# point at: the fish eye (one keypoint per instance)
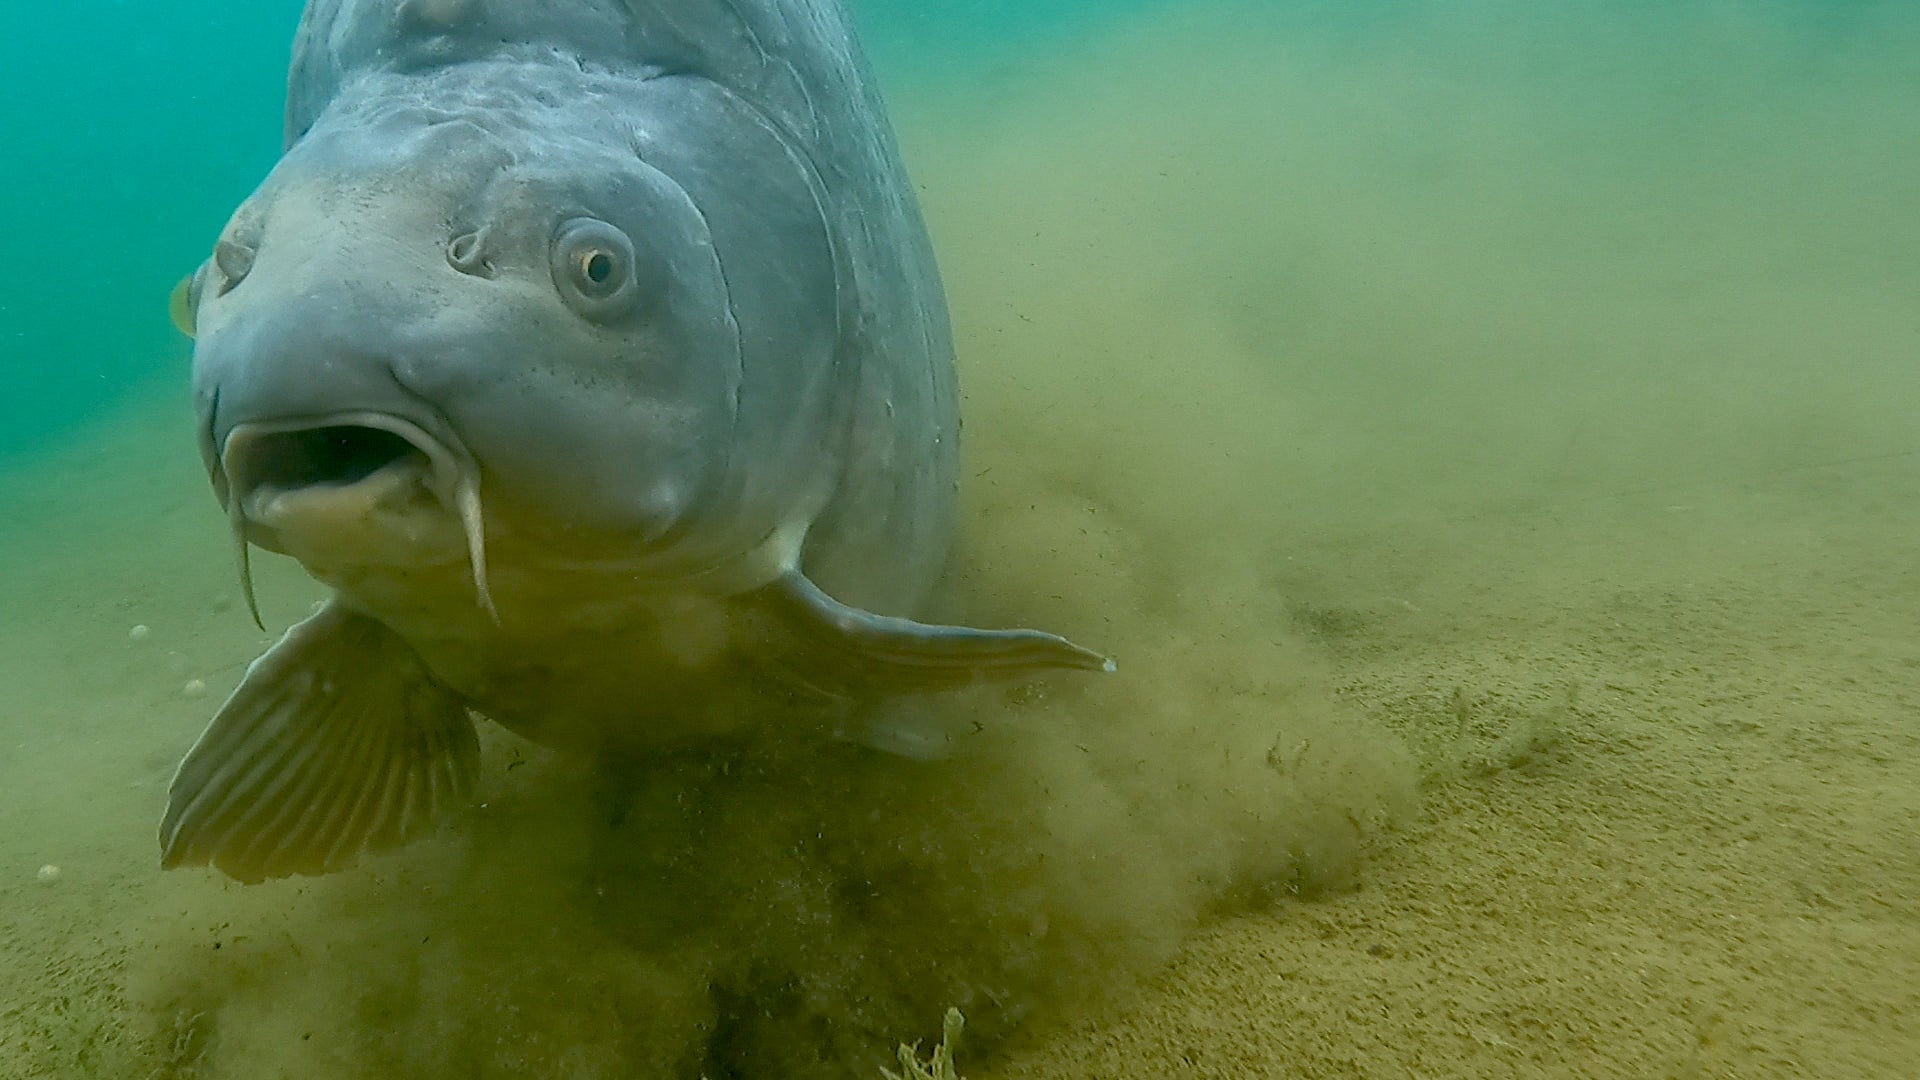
(594, 269)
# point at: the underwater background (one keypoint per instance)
(1484, 430)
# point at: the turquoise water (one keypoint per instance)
(1483, 430)
(132, 129)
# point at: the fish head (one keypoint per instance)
(432, 304)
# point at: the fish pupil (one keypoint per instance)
(599, 267)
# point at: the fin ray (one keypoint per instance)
(304, 794)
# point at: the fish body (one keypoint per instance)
(595, 355)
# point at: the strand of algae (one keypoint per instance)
(940, 1065)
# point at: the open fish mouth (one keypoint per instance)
(353, 489)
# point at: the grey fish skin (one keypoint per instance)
(595, 354)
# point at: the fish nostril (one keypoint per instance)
(467, 254)
(326, 456)
(234, 261)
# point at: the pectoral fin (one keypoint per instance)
(337, 741)
(903, 654)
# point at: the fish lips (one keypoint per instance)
(350, 489)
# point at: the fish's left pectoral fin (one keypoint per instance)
(337, 741)
(902, 654)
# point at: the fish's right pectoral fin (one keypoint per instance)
(337, 741)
